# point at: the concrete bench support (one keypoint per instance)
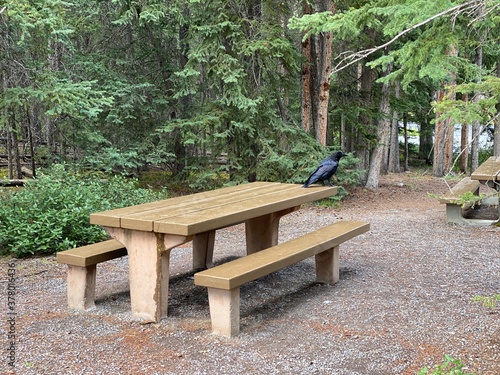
(452, 200)
(82, 263)
(223, 282)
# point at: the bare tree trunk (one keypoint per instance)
(496, 129)
(317, 52)
(306, 76)
(464, 145)
(343, 134)
(393, 166)
(15, 162)
(362, 146)
(383, 133)
(184, 101)
(443, 143)
(443, 146)
(10, 164)
(474, 147)
(325, 62)
(31, 120)
(407, 154)
(476, 126)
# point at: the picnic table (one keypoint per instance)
(150, 231)
(488, 173)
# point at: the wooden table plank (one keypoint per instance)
(488, 171)
(145, 220)
(218, 217)
(112, 218)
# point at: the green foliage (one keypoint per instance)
(181, 84)
(485, 96)
(488, 301)
(468, 199)
(51, 213)
(449, 366)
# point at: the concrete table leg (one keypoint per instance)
(203, 250)
(262, 232)
(149, 269)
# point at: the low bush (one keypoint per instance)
(51, 213)
(450, 366)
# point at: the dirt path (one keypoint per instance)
(403, 301)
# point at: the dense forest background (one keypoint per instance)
(255, 89)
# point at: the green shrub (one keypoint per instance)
(488, 301)
(51, 213)
(450, 366)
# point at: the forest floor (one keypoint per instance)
(404, 300)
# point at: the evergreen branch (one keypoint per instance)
(357, 56)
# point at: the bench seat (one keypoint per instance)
(453, 201)
(82, 263)
(224, 281)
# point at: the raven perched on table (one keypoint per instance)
(326, 170)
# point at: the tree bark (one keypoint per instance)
(476, 126)
(407, 154)
(444, 129)
(496, 129)
(464, 154)
(362, 147)
(393, 165)
(325, 62)
(306, 76)
(383, 134)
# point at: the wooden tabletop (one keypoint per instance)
(488, 171)
(201, 212)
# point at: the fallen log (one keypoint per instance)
(10, 183)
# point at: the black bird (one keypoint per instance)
(326, 170)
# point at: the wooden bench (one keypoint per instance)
(452, 199)
(82, 263)
(224, 281)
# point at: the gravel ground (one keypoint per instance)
(403, 301)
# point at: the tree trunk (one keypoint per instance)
(184, 101)
(306, 76)
(15, 162)
(476, 126)
(393, 166)
(443, 145)
(407, 154)
(496, 129)
(344, 146)
(464, 145)
(325, 62)
(383, 134)
(426, 141)
(362, 146)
